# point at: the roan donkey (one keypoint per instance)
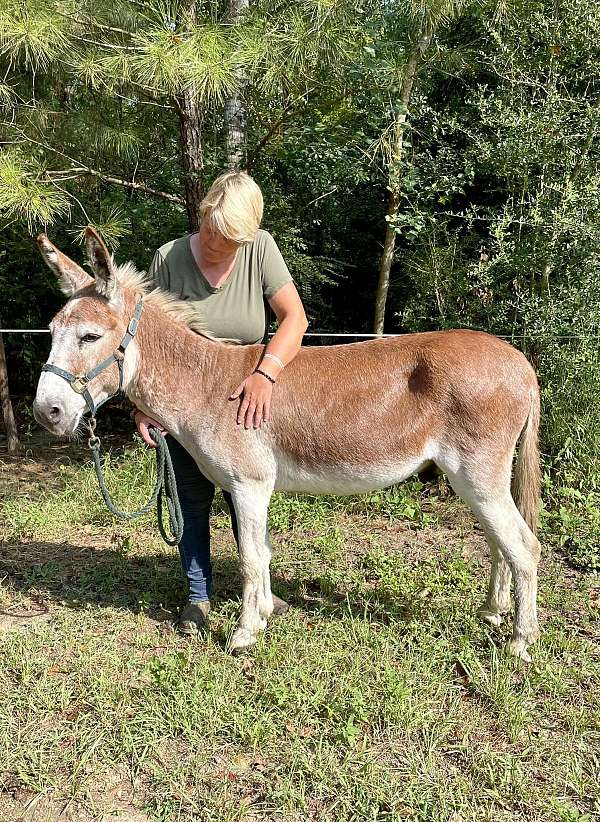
(345, 419)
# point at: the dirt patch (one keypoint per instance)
(18, 619)
(110, 797)
(45, 462)
(42, 808)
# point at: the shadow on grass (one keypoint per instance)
(77, 576)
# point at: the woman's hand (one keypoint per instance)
(144, 422)
(255, 405)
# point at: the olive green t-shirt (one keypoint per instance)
(236, 310)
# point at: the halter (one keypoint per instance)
(79, 383)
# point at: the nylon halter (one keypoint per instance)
(79, 383)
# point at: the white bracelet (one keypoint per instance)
(275, 359)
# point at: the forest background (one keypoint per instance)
(425, 165)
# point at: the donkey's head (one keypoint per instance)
(87, 330)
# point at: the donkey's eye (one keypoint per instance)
(90, 338)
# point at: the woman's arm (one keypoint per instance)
(256, 404)
(292, 322)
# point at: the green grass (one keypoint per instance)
(378, 697)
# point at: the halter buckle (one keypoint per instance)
(79, 384)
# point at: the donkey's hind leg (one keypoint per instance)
(509, 535)
(271, 604)
(497, 602)
(251, 507)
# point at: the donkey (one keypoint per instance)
(345, 419)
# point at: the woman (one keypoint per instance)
(226, 270)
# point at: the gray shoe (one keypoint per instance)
(280, 606)
(194, 618)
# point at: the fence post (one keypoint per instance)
(12, 435)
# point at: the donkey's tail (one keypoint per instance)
(527, 479)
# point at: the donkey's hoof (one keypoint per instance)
(241, 640)
(518, 648)
(494, 618)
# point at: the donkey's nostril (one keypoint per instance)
(47, 415)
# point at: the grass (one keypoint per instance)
(378, 697)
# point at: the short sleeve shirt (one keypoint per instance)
(236, 310)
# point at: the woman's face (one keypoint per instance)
(214, 245)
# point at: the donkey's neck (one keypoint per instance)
(181, 377)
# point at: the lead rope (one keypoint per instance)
(165, 486)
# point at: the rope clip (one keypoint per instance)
(93, 440)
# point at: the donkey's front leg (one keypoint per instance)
(251, 503)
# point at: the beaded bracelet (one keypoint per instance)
(264, 374)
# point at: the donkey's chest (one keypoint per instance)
(229, 461)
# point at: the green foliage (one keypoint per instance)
(112, 226)
(31, 34)
(24, 195)
(574, 520)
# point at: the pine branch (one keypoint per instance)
(139, 102)
(105, 45)
(173, 198)
(93, 23)
(82, 169)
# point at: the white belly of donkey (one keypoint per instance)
(343, 478)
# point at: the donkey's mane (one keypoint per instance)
(130, 278)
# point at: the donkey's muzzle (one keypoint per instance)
(48, 414)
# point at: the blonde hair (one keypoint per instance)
(233, 206)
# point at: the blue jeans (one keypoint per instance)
(196, 494)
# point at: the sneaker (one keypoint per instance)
(280, 606)
(194, 618)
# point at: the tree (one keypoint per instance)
(234, 110)
(405, 46)
(90, 88)
(189, 109)
(112, 114)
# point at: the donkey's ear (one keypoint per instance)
(101, 262)
(71, 278)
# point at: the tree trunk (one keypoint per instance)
(190, 129)
(12, 435)
(395, 179)
(234, 113)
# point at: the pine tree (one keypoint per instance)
(94, 93)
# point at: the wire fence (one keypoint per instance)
(361, 335)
